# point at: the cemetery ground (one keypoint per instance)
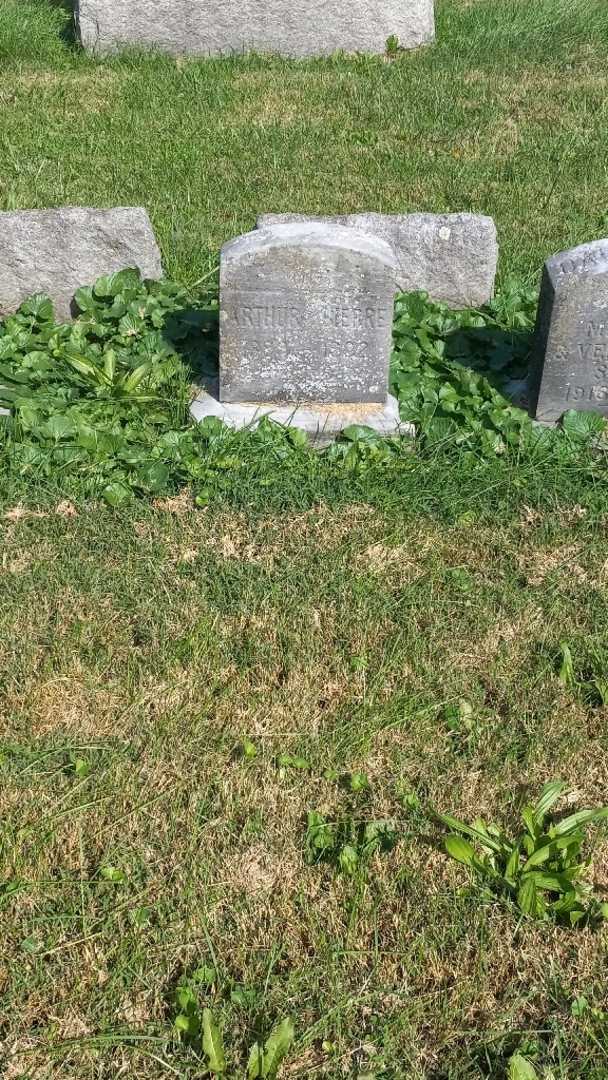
(369, 637)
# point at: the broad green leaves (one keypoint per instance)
(197, 1026)
(521, 1069)
(449, 370)
(541, 870)
(104, 400)
(347, 843)
(92, 402)
(213, 1046)
(264, 1064)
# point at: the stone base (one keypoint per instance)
(321, 423)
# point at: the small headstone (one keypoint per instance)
(216, 27)
(306, 314)
(570, 366)
(452, 257)
(57, 251)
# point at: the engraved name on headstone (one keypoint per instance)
(570, 366)
(306, 316)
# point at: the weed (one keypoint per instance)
(346, 843)
(587, 681)
(541, 869)
(198, 1028)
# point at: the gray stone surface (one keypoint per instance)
(57, 251)
(452, 257)
(306, 315)
(322, 424)
(306, 28)
(570, 365)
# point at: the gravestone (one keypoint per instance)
(452, 257)
(57, 251)
(216, 27)
(570, 364)
(306, 316)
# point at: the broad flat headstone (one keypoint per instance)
(306, 315)
(216, 27)
(452, 257)
(57, 251)
(570, 366)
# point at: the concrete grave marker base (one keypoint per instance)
(321, 423)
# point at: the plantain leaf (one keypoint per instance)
(213, 1044)
(547, 798)
(136, 377)
(541, 855)
(512, 867)
(109, 365)
(521, 1069)
(468, 830)
(582, 817)
(566, 672)
(460, 849)
(277, 1047)
(256, 1062)
(526, 897)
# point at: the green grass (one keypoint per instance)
(148, 643)
(505, 115)
(335, 615)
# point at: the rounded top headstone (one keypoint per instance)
(306, 315)
(310, 235)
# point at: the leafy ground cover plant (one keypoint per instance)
(541, 870)
(100, 405)
(522, 1069)
(450, 369)
(197, 1026)
(347, 844)
(104, 398)
(586, 680)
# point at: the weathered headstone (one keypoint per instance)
(452, 257)
(57, 251)
(215, 27)
(570, 366)
(305, 329)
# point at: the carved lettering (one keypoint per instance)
(586, 261)
(592, 394)
(268, 316)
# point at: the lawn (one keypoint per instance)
(182, 685)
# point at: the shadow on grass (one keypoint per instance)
(502, 356)
(194, 335)
(68, 34)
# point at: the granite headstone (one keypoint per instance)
(305, 315)
(452, 257)
(305, 332)
(570, 364)
(216, 27)
(56, 251)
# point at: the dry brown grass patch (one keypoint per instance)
(538, 564)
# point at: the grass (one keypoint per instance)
(333, 616)
(140, 647)
(505, 115)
